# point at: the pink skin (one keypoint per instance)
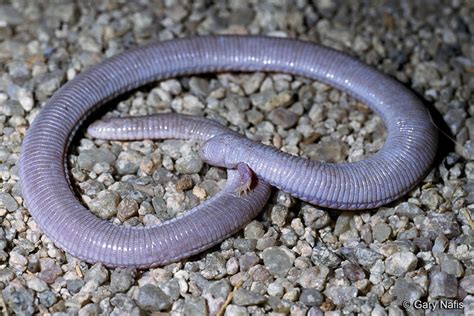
(247, 177)
(403, 161)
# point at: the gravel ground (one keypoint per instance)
(294, 258)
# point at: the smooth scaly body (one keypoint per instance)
(397, 167)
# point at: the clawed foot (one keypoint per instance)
(246, 177)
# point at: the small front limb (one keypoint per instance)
(247, 178)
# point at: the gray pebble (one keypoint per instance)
(171, 288)
(234, 310)
(467, 283)
(36, 284)
(245, 297)
(280, 305)
(366, 257)
(314, 277)
(340, 294)
(342, 223)
(7, 201)
(215, 266)
(328, 151)
(254, 230)
(276, 288)
(435, 224)
(232, 266)
(236, 117)
(260, 99)
(278, 215)
(353, 272)
(248, 260)
(406, 290)
(124, 305)
(381, 232)
(136, 195)
(105, 204)
(66, 12)
(189, 164)
(12, 108)
(236, 103)
(89, 309)
(48, 83)
(455, 119)
(311, 297)
(9, 15)
(199, 86)
(451, 265)
(102, 167)
(97, 273)
(253, 82)
(211, 187)
(245, 245)
(431, 199)
(321, 255)
(423, 243)
(153, 299)
(218, 289)
(425, 72)
(19, 300)
(128, 162)
(24, 247)
(390, 247)
(401, 262)
(278, 260)
(47, 298)
(408, 209)
(74, 285)
(289, 238)
(254, 116)
(91, 187)
(50, 271)
(33, 264)
(443, 285)
(195, 306)
(18, 70)
(171, 85)
(314, 217)
(315, 311)
(469, 188)
(88, 158)
(121, 280)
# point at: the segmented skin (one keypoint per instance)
(402, 162)
(79, 232)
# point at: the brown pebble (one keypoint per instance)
(184, 183)
(127, 208)
(146, 165)
(283, 117)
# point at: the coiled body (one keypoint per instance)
(404, 159)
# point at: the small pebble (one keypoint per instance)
(400, 263)
(278, 260)
(243, 297)
(443, 285)
(152, 299)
